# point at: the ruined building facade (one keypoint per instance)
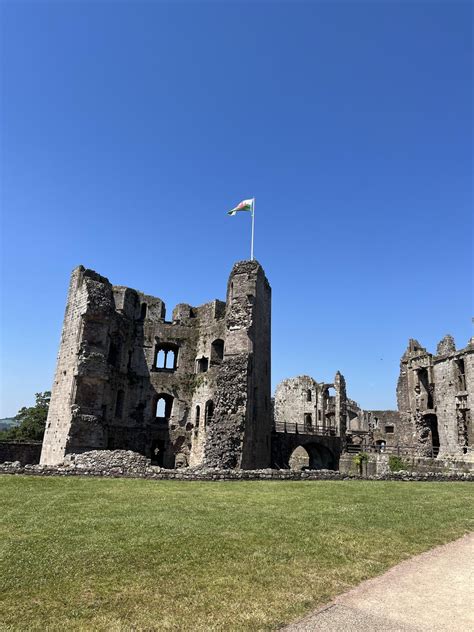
(435, 396)
(187, 391)
(309, 417)
(315, 422)
(195, 390)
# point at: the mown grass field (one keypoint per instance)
(122, 555)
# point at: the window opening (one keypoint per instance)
(114, 353)
(209, 411)
(461, 377)
(166, 357)
(163, 406)
(202, 365)
(217, 351)
(119, 404)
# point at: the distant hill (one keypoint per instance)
(7, 422)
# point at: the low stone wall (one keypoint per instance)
(22, 451)
(123, 463)
(379, 464)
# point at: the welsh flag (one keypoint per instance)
(245, 205)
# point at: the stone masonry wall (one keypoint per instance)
(62, 411)
(239, 432)
(126, 464)
(295, 398)
(129, 379)
(25, 452)
(436, 397)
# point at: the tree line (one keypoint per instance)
(31, 421)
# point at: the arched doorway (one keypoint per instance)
(432, 434)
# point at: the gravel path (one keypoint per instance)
(430, 592)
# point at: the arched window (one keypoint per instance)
(166, 357)
(163, 406)
(143, 311)
(197, 417)
(160, 359)
(170, 359)
(209, 411)
(308, 421)
(217, 351)
(308, 395)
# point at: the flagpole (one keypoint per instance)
(253, 229)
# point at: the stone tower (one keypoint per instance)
(240, 432)
(187, 391)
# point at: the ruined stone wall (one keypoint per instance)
(239, 434)
(307, 416)
(392, 428)
(125, 465)
(341, 406)
(303, 401)
(414, 468)
(24, 452)
(455, 399)
(435, 396)
(355, 420)
(129, 379)
(295, 399)
(87, 311)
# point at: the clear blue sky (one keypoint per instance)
(129, 129)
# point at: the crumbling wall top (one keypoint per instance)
(251, 268)
(246, 266)
(446, 345)
(414, 348)
(92, 274)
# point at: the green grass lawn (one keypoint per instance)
(98, 554)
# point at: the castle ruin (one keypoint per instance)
(195, 390)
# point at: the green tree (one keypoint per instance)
(31, 421)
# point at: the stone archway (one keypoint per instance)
(312, 456)
(299, 459)
(318, 452)
(320, 457)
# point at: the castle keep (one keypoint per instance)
(190, 390)
(195, 390)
